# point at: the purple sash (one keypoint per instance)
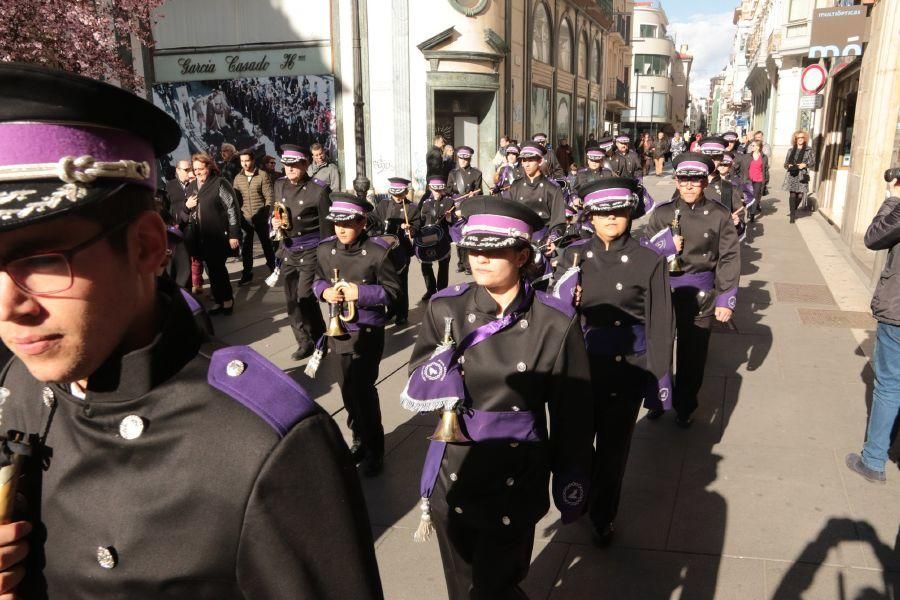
(702, 282)
(301, 243)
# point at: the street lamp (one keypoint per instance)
(652, 94)
(361, 183)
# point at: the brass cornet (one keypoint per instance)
(340, 312)
(282, 212)
(676, 267)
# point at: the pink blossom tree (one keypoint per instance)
(90, 37)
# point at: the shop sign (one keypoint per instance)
(235, 64)
(838, 31)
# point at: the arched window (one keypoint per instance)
(596, 66)
(565, 46)
(583, 56)
(542, 40)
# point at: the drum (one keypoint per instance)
(432, 244)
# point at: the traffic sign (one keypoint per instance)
(812, 102)
(813, 79)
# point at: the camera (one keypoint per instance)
(892, 174)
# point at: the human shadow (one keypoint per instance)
(801, 576)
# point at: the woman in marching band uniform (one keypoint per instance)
(622, 291)
(495, 355)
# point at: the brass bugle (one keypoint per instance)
(283, 213)
(448, 429)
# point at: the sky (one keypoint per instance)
(706, 27)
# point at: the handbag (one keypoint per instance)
(804, 176)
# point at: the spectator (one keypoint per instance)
(500, 158)
(676, 146)
(564, 154)
(230, 165)
(449, 159)
(646, 147)
(212, 206)
(660, 148)
(799, 160)
(176, 190)
(766, 149)
(323, 169)
(253, 188)
(758, 171)
(434, 159)
(883, 234)
(696, 143)
(269, 164)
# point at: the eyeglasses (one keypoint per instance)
(50, 273)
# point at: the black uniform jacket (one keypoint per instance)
(435, 211)
(308, 201)
(626, 165)
(237, 486)
(586, 175)
(463, 181)
(622, 287)
(387, 218)
(366, 263)
(710, 239)
(537, 364)
(541, 195)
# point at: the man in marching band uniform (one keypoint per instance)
(397, 216)
(541, 195)
(597, 168)
(436, 211)
(705, 287)
(509, 172)
(306, 201)
(550, 166)
(496, 355)
(464, 181)
(625, 161)
(367, 280)
(622, 292)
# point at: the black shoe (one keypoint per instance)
(401, 321)
(372, 466)
(684, 422)
(752, 218)
(221, 309)
(427, 296)
(855, 463)
(303, 351)
(792, 218)
(655, 413)
(602, 536)
(245, 279)
(357, 452)
(460, 268)
(468, 271)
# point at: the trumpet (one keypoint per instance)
(340, 312)
(282, 213)
(676, 267)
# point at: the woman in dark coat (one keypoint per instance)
(799, 160)
(212, 208)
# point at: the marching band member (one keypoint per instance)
(397, 216)
(625, 161)
(625, 305)
(550, 166)
(306, 201)
(543, 196)
(368, 280)
(597, 167)
(464, 181)
(509, 172)
(506, 354)
(435, 212)
(706, 288)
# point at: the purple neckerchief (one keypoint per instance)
(705, 281)
(301, 243)
(613, 341)
(482, 424)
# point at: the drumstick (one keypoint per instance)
(406, 218)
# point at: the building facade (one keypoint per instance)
(472, 71)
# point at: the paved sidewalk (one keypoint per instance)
(753, 502)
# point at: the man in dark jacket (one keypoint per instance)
(434, 160)
(883, 234)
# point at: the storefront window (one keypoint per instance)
(540, 46)
(565, 46)
(651, 64)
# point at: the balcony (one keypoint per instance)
(601, 10)
(616, 93)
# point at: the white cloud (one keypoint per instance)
(710, 38)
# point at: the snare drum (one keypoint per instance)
(432, 244)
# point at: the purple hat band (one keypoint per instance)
(512, 149)
(437, 182)
(712, 148)
(345, 208)
(463, 154)
(49, 143)
(692, 166)
(531, 151)
(623, 138)
(727, 160)
(497, 225)
(596, 154)
(606, 196)
(293, 155)
(540, 139)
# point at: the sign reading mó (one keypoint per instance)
(838, 31)
(308, 60)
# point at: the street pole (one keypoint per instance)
(637, 102)
(361, 183)
(652, 93)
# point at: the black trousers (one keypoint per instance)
(213, 255)
(692, 333)
(794, 201)
(619, 390)
(259, 224)
(757, 195)
(179, 267)
(434, 285)
(303, 310)
(483, 564)
(401, 307)
(462, 260)
(357, 374)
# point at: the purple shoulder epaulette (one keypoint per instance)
(319, 182)
(562, 305)
(264, 389)
(192, 302)
(380, 241)
(451, 291)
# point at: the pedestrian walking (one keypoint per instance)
(758, 173)
(677, 145)
(622, 292)
(254, 191)
(660, 148)
(495, 355)
(798, 162)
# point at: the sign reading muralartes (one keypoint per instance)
(838, 31)
(307, 60)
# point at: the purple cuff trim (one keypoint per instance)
(372, 295)
(319, 286)
(570, 494)
(659, 393)
(727, 299)
(49, 142)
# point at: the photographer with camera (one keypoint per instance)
(884, 234)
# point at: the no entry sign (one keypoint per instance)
(813, 79)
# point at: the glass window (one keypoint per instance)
(651, 64)
(799, 10)
(583, 57)
(540, 44)
(596, 67)
(648, 31)
(565, 46)
(540, 109)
